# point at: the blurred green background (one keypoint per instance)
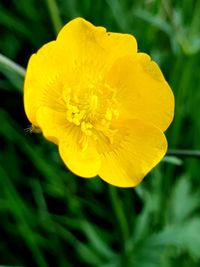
(49, 217)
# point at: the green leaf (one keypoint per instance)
(173, 160)
(14, 73)
(183, 201)
(96, 241)
(184, 236)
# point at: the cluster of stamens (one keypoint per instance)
(92, 108)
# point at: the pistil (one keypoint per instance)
(92, 109)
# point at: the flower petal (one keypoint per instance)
(44, 80)
(93, 49)
(142, 90)
(83, 162)
(54, 124)
(136, 149)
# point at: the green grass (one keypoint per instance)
(49, 217)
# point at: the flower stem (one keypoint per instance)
(184, 153)
(11, 65)
(54, 14)
(119, 213)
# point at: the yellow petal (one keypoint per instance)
(137, 148)
(142, 90)
(44, 81)
(83, 161)
(77, 150)
(52, 123)
(92, 48)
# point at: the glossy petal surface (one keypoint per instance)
(136, 149)
(142, 91)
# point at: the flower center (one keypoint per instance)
(92, 108)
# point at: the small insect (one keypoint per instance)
(32, 129)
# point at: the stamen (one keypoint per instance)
(94, 102)
(92, 109)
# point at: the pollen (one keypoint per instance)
(93, 102)
(92, 108)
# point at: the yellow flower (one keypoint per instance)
(104, 104)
